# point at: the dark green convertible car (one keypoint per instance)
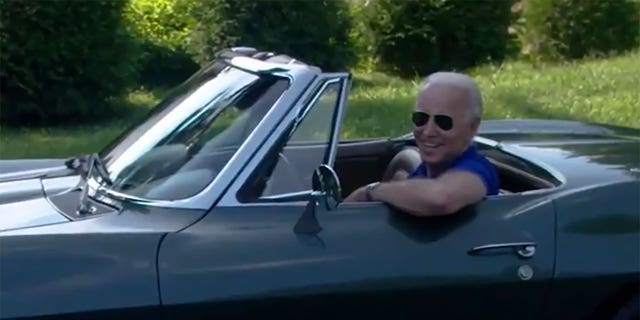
(225, 202)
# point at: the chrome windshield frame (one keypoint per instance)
(299, 76)
(302, 107)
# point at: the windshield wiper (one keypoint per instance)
(85, 166)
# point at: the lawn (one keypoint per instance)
(604, 91)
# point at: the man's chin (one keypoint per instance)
(430, 158)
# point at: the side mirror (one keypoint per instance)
(326, 186)
(326, 190)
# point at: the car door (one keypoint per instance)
(246, 258)
(489, 261)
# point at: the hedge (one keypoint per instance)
(574, 29)
(416, 37)
(62, 61)
(162, 29)
(315, 31)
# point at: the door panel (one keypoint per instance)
(248, 262)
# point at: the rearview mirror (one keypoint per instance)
(326, 186)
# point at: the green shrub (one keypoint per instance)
(571, 29)
(165, 23)
(416, 37)
(314, 31)
(361, 36)
(62, 61)
(162, 28)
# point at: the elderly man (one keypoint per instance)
(450, 174)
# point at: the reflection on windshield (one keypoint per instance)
(190, 136)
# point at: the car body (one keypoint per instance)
(209, 208)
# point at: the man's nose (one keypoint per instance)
(429, 129)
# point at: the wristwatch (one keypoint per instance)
(369, 188)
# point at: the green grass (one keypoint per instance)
(603, 91)
(62, 142)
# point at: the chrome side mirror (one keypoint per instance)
(326, 186)
(326, 191)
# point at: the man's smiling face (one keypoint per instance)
(439, 146)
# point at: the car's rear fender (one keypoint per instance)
(597, 235)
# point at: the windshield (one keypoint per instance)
(191, 135)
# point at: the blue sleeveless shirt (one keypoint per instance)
(471, 161)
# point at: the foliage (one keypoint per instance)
(361, 36)
(594, 90)
(556, 29)
(315, 31)
(162, 28)
(165, 23)
(604, 91)
(62, 61)
(416, 37)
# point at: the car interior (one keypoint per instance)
(361, 162)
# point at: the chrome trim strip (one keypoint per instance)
(337, 119)
(30, 173)
(303, 110)
(299, 76)
(315, 98)
(251, 65)
(485, 141)
(292, 196)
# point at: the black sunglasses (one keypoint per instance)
(420, 118)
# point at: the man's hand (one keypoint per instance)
(359, 195)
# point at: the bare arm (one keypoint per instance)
(432, 197)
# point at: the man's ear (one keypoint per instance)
(474, 125)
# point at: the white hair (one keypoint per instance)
(461, 81)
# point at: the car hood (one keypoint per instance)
(23, 200)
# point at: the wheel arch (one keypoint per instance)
(615, 300)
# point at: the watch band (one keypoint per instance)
(369, 188)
